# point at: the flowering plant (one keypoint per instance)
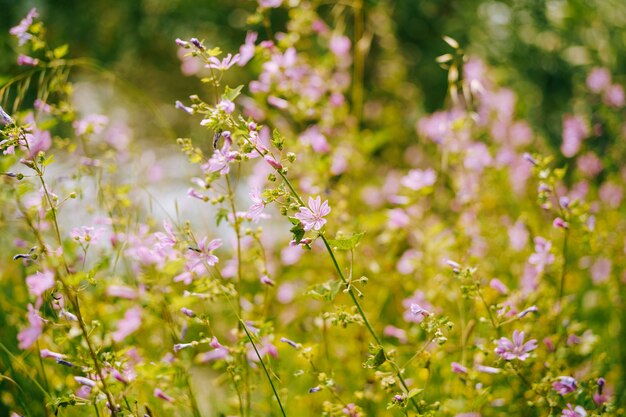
(324, 265)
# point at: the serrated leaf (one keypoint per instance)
(231, 94)
(222, 214)
(298, 232)
(347, 243)
(326, 291)
(278, 140)
(376, 358)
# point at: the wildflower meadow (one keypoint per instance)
(313, 208)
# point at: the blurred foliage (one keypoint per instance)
(541, 48)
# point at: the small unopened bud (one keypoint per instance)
(197, 43)
(273, 162)
(560, 223)
(182, 43)
(528, 157)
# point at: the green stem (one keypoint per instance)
(264, 367)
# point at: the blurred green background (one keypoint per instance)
(542, 49)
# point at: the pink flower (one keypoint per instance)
(598, 79)
(312, 217)
(86, 234)
(417, 179)
(128, 325)
(246, 51)
(499, 286)
(518, 236)
(94, 123)
(40, 282)
(516, 349)
(564, 385)
(26, 60)
(256, 209)
(163, 396)
(614, 96)
(577, 411)
(316, 139)
(560, 223)
(574, 131)
(340, 46)
(21, 30)
(278, 102)
(29, 335)
(601, 270)
(270, 3)
(122, 291)
(225, 63)
(199, 259)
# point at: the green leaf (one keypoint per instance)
(231, 94)
(298, 232)
(346, 243)
(414, 392)
(222, 214)
(326, 291)
(278, 140)
(376, 358)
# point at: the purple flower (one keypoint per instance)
(312, 217)
(225, 63)
(220, 161)
(542, 255)
(226, 106)
(457, 368)
(21, 30)
(564, 385)
(181, 106)
(516, 349)
(85, 381)
(419, 312)
(5, 119)
(417, 179)
(45, 353)
(577, 411)
(290, 343)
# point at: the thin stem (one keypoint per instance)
(264, 368)
(236, 226)
(350, 291)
